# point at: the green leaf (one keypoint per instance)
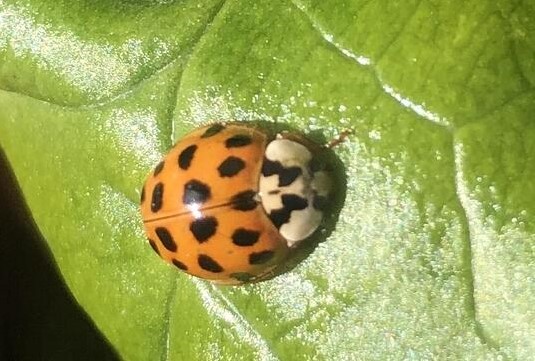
(433, 255)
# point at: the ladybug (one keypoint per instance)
(230, 201)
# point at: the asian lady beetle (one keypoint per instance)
(230, 202)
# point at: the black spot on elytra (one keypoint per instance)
(180, 265)
(245, 237)
(203, 228)
(158, 168)
(244, 201)
(238, 140)
(320, 202)
(166, 239)
(231, 166)
(261, 257)
(207, 263)
(186, 156)
(142, 198)
(196, 192)
(290, 202)
(286, 175)
(213, 130)
(157, 198)
(242, 276)
(154, 246)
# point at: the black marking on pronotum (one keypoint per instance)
(290, 202)
(213, 130)
(231, 166)
(207, 263)
(154, 246)
(242, 276)
(180, 265)
(158, 168)
(279, 217)
(238, 140)
(244, 201)
(186, 156)
(261, 257)
(270, 167)
(157, 198)
(166, 238)
(245, 237)
(293, 202)
(196, 192)
(203, 228)
(286, 175)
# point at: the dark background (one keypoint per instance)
(39, 318)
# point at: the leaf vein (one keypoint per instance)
(363, 61)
